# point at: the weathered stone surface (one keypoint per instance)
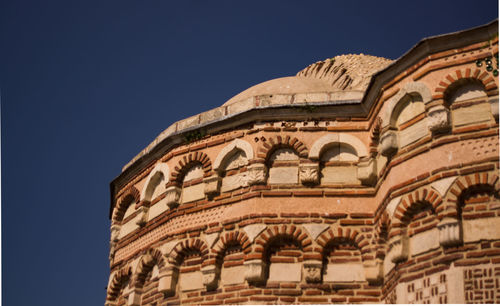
(315, 229)
(443, 185)
(233, 275)
(485, 228)
(472, 114)
(190, 281)
(257, 174)
(367, 171)
(413, 133)
(253, 230)
(115, 232)
(283, 175)
(373, 270)
(157, 209)
(494, 107)
(234, 181)
(254, 271)
(424, 241)
(167, 281)
(339, 175)
(211, 239)
(142, 216)
(285, 272)
(193, 193)
(209, 273)
(398, 249)
(348, 272)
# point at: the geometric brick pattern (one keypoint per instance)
(482, 285)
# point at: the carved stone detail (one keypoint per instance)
(449, 232)
(142, 215)
(398, 249)
(172, 196)
(212, 185)
(257, 174)
(210, 277)
(308, 174)
(388, 143)
(168, 281)
(134, 297)
(373, 271)
(438, 119)
(367, 171)
(115, 232)
(312, 271)
(254, 271)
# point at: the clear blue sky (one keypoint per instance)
(86, 85)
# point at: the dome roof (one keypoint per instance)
(349, 73)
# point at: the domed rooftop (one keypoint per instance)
(345, 75)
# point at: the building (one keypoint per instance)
(360, 179)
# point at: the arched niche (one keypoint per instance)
(338, 164)
(192, 183)
(230, 165)
(155, 183)
(468, 102)
(283, 165)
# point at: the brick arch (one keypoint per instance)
(151, 258)
(421, 195)
(263, 240)
(117, 282)
(187, 161)
(184, 247)
(442, 89)
(459, 188)
(225, 240)
(130, 195)
(343, 233)
(278, 142)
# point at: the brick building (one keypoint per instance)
(360, 179)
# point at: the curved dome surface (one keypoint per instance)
(343, 73)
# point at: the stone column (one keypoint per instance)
(168, 280)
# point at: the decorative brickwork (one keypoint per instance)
(353, 192)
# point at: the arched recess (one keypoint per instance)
(119, 280)
(342, 251)
(189, 174)
(414, 228)
(443, 91)
(282, 250)
(404, 121)
(155, 183)
(146, 278)
(327, 141)
(230, 252)
(474, 199)
(282, 157)
(131, 196)
(230, 165)
(187, 259)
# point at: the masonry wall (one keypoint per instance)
(400, 206)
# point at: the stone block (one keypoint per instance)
(210, 273)
(172, 196)
(193, 193)
(311, 97)
(233, 275)
(283, 175)
(449, 232)
(315, 229)
(190, 281)
(134, 298)
(424, 241)
(438, 119)
(188, 123)
(157, 209)
(473, 114)
(398, 249)
(212, 185)
(128, 227)
(388, 143)
(167, 281)
(212, 115)
(413, 133)
(267, 100)
(115, 232)
(253, 230)
(477, 229)
(234, 182)
(373, 271)
(285, 272)
(309, 174)
(142, 216)
(348, 272)
(367, 171)
(494, 107)
(241, 106)
(339, 175)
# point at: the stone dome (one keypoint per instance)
(346, 75)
